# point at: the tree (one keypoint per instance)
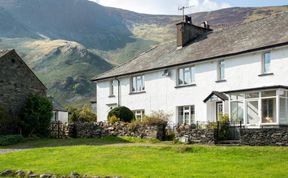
(36, 116)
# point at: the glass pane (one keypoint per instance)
(283, 111)
(269, 93)
(267, 61)
(237, 111)
(237, 96)
(186, 118)
(192, 119)
(252, 95)
(134, 86)
(269, 110)
(139, 83)
(187, 76)
(181, 77)
(193, 74)
(180, 115)
(222, 70)
(252, 112)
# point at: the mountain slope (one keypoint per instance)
(67, 42)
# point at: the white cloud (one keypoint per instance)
(163, 6)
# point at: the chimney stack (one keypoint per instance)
(187, 32)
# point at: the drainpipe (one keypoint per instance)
(118, 81)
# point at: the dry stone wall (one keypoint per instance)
(101, 129)
(265, 137)
(188, 134)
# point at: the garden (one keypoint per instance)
(122, 151)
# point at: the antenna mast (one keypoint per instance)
(183, 10)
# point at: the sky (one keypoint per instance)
(171, 6)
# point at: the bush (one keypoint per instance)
(36, 116)
(8, 124)
(10, 140)
(123, 113)
(156, 118)
(85, 114)
(224, 132)
(113, 119)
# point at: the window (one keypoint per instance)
(112, 88)
(186, 115)
(186, 76)
(237, 111)
(138, 84)
(139, 114)
(221, 70)
(266, 61)
(269, 110)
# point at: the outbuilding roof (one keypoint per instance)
(243, 38)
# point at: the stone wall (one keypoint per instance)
(265, 137)
(188, 134)
(101, 129)
(17, 82)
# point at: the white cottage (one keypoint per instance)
(240, 70)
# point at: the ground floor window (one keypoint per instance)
(269, 110)
(257, 107)
(139, 114)
(186, 114)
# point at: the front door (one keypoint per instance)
(219, 110)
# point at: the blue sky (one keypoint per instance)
(171, 6)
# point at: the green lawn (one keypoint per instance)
(102, 157)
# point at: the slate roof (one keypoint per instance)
(3, 52)
(252, 36)
(56, 105)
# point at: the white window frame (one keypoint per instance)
(181, 72)
(137, 84)
(220, 68)
(266, 67)
(184, 110)
(139, 112)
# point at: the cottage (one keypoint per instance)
(60, 114)
(240, 71)
(17, 82)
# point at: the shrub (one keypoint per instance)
(211, 125)
(113, 119)
(224, 132)
(36, 116)
(123, 113)
(10, 140)
(8, 124)
(85, 114)
(156, 118)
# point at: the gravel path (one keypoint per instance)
(3, 151)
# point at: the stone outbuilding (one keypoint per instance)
(17, 82)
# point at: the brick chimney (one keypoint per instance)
(187, 32)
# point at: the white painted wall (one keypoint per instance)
(60, 116)
(241, 72)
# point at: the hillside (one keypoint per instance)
(66, 42)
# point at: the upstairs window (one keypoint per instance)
(266, 61)
(138, 84)
(186, 76)
(221, 70)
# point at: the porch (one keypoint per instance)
(265, 107)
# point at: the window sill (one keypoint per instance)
(220, 81)
(183, 86)
(265, 74)
(112, 96)
(136, 93)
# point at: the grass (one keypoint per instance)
(86, 156)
